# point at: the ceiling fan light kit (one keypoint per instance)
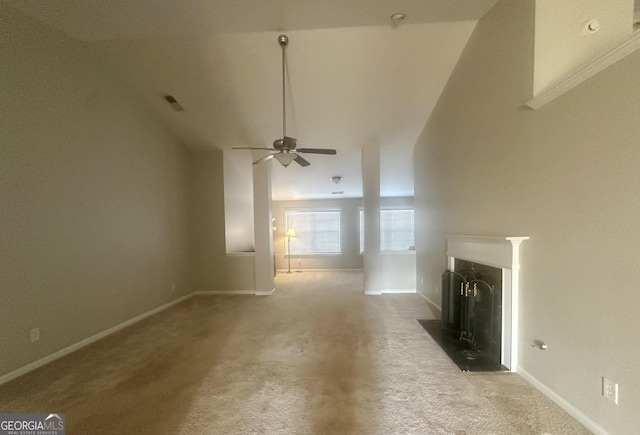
(287, 150)
(285, 158)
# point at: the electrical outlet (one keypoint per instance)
(610, 390)
(34, 334)
(173, 286)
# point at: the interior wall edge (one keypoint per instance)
(433, 304)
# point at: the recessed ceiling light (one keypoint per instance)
(398, 17)
(174, 103)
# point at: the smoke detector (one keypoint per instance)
(591, 27)
(398, 17)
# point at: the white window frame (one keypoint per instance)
(361, 230)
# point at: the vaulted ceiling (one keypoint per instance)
(354, 76)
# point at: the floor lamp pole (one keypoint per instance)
(289, 249)
(290, 233)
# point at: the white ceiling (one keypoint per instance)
(353, 77)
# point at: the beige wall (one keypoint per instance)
(238, 201)
(213, 269)
(93, 202)
(566, 175)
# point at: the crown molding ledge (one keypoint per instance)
(589, 70)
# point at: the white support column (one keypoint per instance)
(263, 273)
(371, 210)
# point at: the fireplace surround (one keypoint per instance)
(502, 253)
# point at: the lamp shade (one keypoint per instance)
(291, 232)
(285, 158)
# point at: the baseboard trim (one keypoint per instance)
(562, 403)
(223, 293)
(234, 292)
(318, 270)
(430, 302)
(388, 291)
(87, 341)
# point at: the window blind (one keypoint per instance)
(361, 231)
(317, 232)
(396, 230)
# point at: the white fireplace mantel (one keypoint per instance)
(500, 252)
(503, 253)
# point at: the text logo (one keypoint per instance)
(32, 424)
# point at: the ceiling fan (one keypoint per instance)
(286, 148)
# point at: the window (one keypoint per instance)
(396, 230)
(361, 231)
(317, 231)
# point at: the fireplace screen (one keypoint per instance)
(472, 307)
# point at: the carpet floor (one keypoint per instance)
(317, 357)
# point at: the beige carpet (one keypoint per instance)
(317, 357)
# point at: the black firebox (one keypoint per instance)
(470, 331)
(472, 307)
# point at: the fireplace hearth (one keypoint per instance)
(460, 352)
(470, 331)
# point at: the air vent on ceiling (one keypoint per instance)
(174, 103)
(338, 192)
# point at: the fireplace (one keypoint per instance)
(480, 303)
(502, 253)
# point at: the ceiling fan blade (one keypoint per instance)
(317, 151)
(264, 159)
(252, 148)
(302, 162)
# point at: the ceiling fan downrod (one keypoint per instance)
(286, 148)
(283, 40)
